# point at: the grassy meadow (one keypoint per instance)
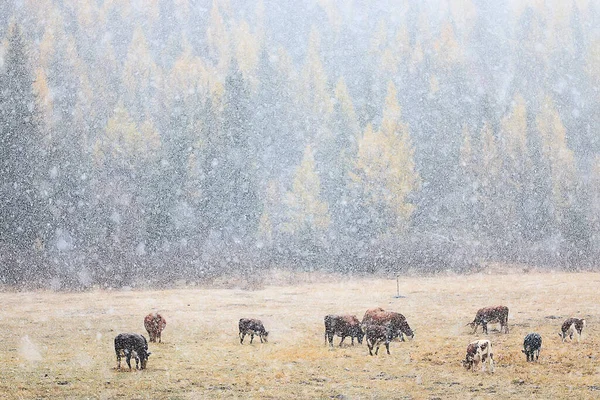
(60, 345)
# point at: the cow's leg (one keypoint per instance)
(159, 337)
(330, 338)
(260, 336)
(242, 336)
(118, 359)
(387, 346)
(342, 341)
(370, 346)
(128, 359)
(484, 325)
(251, 337)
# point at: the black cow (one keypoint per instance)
(377, 334)
(342, 325)
(252, 327)
(132, 344)
(531, 346)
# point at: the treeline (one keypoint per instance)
(190, 139)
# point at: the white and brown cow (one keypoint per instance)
(479, 351)
(570, 327)
(487, 315)
(249, 326)
(342, 325)
(155, 324)
(397, 322)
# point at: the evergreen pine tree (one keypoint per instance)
(22, 216)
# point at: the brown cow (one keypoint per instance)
(377, 334)
(479, 351)
(398, 325)
(252, 327)
(570, 326)
(488, 315)
(342, 325)
(154, 324)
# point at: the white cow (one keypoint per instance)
(479, 351)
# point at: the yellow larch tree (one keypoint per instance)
(307, 213)
(317, 93)
(384, 170)
(124, 144)
(560, 158)
(447, 50)
(246, 51)
(217, 38)
(140, 75)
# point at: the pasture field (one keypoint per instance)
(60, 345)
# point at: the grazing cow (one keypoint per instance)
(398, 325)
(377, 334)
(532, 346)
(479, 351)
(342, 325)
(132, 344)
(252, 327)
(570, 326)
(154, 324)
(489, 315)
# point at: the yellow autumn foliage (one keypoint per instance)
(307, 212)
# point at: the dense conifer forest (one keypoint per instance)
(146, 142)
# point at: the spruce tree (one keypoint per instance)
(21, 214)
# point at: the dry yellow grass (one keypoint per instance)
(60, 345)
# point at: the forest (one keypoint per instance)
(145, 142)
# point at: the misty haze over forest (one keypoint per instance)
(143, 142)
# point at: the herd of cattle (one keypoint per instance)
(378, 326)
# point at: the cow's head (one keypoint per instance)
(265, 335)
(467, 362)
(359, 334)
(144, 358)
(405, 329)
